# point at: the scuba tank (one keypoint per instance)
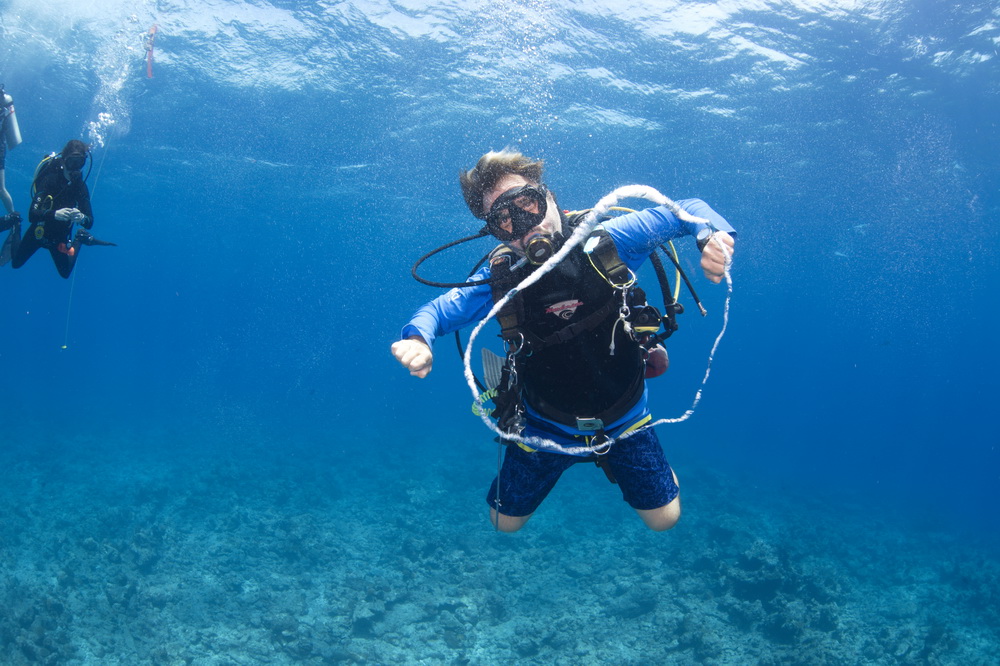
(9, 120)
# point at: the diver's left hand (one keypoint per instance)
(69, 215)
(713, 257)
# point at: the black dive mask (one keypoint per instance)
(74, 162)
(509, 217)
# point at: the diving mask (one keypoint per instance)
(75, 161)
(513, 213)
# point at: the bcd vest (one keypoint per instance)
(565, 323)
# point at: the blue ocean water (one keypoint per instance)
(209, 455)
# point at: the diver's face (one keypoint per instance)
(75, 161)
(550, 224)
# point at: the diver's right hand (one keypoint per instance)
(414, 354)
(68, 214)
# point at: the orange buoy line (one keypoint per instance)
(150, 38)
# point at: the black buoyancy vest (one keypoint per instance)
(49, 189)
(575, 376)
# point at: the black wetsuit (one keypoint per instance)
(53, 190)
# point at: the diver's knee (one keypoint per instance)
(505, 523)
(662, 518)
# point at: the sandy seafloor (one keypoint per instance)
(127, 547)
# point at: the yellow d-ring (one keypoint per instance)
(39, 232)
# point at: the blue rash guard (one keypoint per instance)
(635, 235)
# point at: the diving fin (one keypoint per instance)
(7, 251)
(492, 368)
(84, 237)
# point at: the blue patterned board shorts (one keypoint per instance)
(638, 464)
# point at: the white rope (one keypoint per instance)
(711, 355)
(583, 229)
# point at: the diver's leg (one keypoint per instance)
(5, 199)
(508, 523)
(646, 480)
(524, 481)
(664, 517)
(65, 258)
(24, 247)
(13, 239)
(64, 262)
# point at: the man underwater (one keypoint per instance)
(580, 369)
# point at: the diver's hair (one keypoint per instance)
(490, 169)
(74, 146)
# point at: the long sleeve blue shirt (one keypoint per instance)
(635, 235)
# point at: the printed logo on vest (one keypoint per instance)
(564, 309)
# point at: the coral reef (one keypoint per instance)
(127, 554)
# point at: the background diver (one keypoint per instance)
(570, 389)
(60, 199)
(10, 137)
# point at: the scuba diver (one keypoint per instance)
(60, 199)
(576, 362)
(10, 137)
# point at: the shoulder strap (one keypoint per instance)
(606, 259)
(503, 280)
(605, 253)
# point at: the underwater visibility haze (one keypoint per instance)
(209, 456)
